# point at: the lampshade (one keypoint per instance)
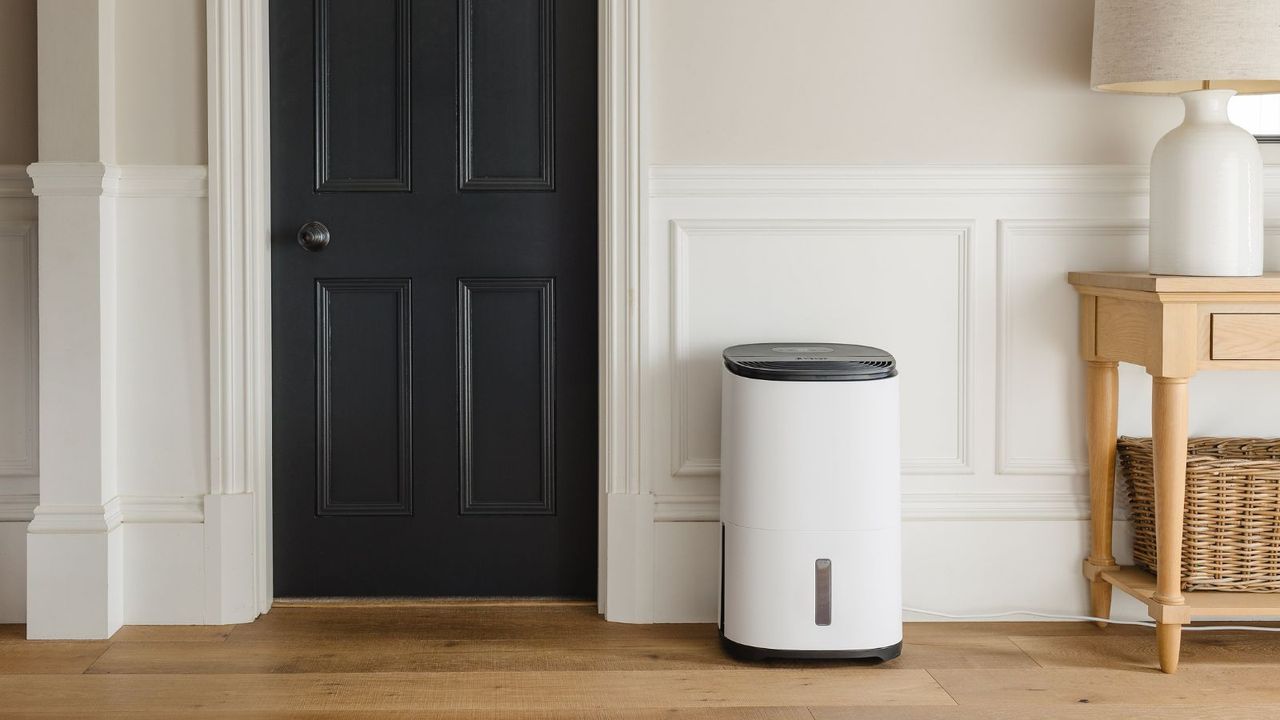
(1165, 47)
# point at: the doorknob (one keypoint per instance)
(313, 236)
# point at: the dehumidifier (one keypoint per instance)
(809, 504)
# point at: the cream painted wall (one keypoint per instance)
(871, 81)
(17, 81)
(76, 108)
(160, 71)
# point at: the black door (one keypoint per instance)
(434, 363)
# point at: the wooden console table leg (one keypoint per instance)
(1169, 430)
(1102, 399)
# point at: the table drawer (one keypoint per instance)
(1245, 336)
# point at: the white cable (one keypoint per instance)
(1084, 618)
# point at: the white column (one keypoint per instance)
(75, 583)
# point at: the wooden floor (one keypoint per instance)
(553, 661)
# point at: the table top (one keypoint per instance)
(1146, 282)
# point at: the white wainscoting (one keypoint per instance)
(961, 273)
(19, 381)
(19, 328)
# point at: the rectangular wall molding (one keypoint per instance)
(951, 235)
(19, 351)
(1011, 236)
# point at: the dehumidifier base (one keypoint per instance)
(751, 653)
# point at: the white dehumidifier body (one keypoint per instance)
(809, 502)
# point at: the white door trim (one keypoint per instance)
(240, 295)
(240, 276)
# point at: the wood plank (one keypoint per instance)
(492, 691)
(1146, 282)
(974, 652)
(300, 668)
(1018, 712)
(173, 633)
(1077, 711)
(340, 656)
(1203, 603)
(1138, 651)
(293, 656)
(48, 656)
(1225, 687)
(734, 713)
(455, 623)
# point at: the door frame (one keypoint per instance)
(240, 297)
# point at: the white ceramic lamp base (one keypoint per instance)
(1206, 194)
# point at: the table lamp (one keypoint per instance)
(1206, 174)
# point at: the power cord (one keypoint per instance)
(1083, 618)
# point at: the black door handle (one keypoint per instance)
(313, 236)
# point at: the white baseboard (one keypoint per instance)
(137, 561)
(228, 559)
(164, 574)
(75, 578)
(189, 563)
(629, 587)
(958, 566)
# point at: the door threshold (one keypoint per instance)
(366, 602)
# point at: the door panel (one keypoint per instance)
(364, 428)
(506, 118)
(363, 84)
(434, 365)
(507, 388)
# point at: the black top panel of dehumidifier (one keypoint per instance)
(820, 362)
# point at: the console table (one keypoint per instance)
(1173, 327)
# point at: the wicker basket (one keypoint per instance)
(1231, 525)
